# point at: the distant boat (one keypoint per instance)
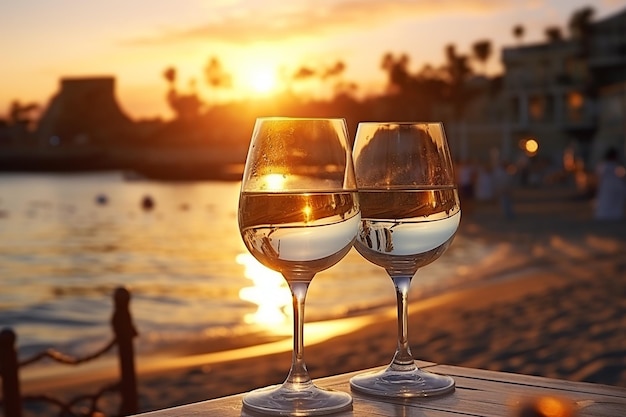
(52, 160)
(185, 172)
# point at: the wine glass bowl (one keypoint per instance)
(298, 215)
(410, 213)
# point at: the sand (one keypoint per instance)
(551, 302)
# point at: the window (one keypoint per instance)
(537, 108)
(575, 106)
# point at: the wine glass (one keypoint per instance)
(298, 215)
(410, 213)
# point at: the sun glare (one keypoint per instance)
(275, 182)
(269, 292)
(262, 81)
(256, 78)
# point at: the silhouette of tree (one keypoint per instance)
(518, 32)
(21, 114)
(581, 28)
(554, 34)
(482, 52)
(411, 96)
(345, 89)
(457, 65)
(579, 23)
(304, 73)
(186, 107)
(458, 71)
(334, 71)
(340, 87)
(432, 82)
(398, 77)
(170, 75)
(324, 75)
(216, 76)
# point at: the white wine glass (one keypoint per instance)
(410, 212)
(298, 215)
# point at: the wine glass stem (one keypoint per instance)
(402, 360)
(298, 374)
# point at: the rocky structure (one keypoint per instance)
(85, 113)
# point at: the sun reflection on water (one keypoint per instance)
(269, 292)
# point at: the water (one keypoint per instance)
(66, 241)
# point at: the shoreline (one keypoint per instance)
(543, 312)
(188, 357)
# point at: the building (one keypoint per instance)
(84, 113)
(570, 92)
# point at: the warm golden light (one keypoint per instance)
(575, 100)
(307, 210)
(262, 81)
(531, 146)
(269, 292)
(569, 160)
(552, 407)
(275, 182)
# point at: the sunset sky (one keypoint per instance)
(255, 41)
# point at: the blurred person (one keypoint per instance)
(484, 183)
(503, 189)
(466, 178)
(523, 167)
(611, 193)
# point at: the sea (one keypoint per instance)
(67, 241)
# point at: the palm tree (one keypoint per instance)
(334, 71)
(482, 52)
(397, 70)
(186, 106)
(458, 71)
(20, 114)
(215, 75)
(518, 32)
(554, 34)
(170, 75)
(304, 73)
(580, 27)
(580, 22)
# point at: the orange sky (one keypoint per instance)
(42, 41)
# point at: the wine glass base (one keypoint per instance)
(278, 400)
(390, 383)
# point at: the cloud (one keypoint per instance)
(261, 22)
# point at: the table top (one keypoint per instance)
(479, 393)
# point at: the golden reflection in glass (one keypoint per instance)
(275, 182)
(307, 210)
(269, 292)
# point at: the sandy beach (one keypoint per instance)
(555, 307)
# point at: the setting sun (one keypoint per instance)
(262, 80)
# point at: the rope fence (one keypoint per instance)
(124, 332)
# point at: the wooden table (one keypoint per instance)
(478, 393)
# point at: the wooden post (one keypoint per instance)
(9, 365)
(124, 330)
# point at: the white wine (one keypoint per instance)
(403, 230)
(299, 234)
